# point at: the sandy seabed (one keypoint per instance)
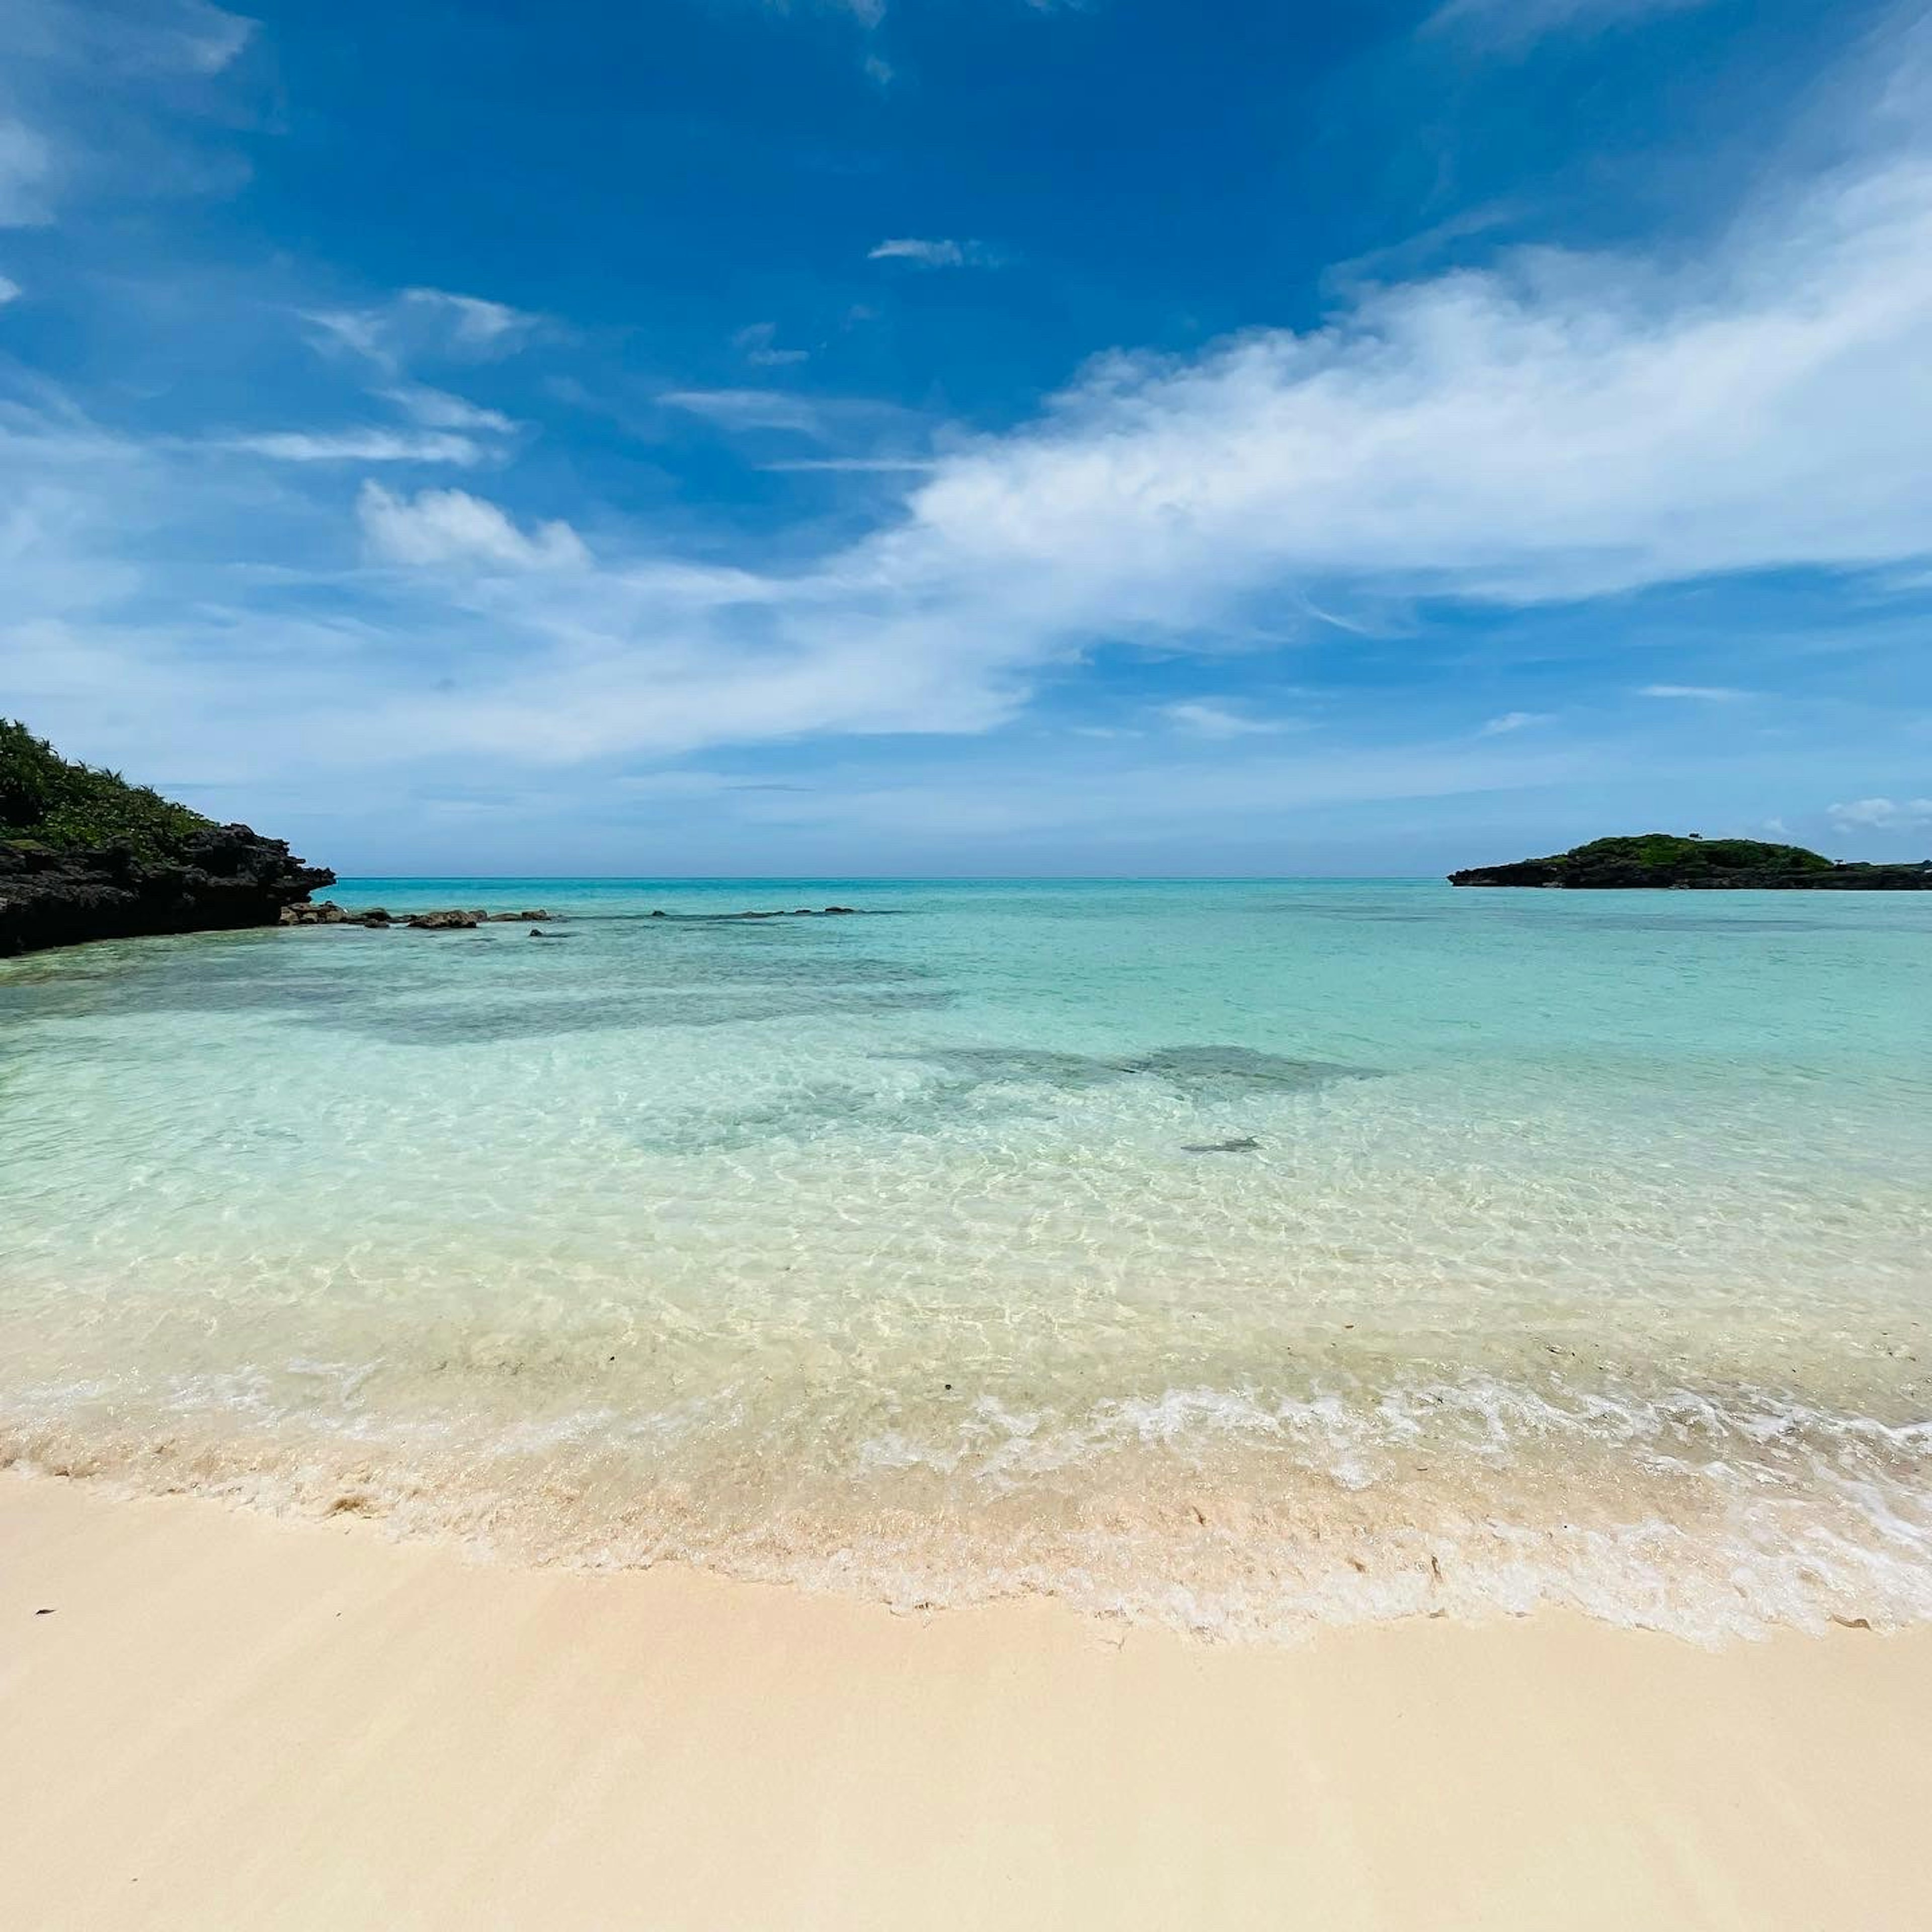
(212, 1719)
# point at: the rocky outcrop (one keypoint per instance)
(796, 912)
(1688, 863)
(326, 912)
(218, 877)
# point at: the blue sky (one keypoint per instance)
(973, 435)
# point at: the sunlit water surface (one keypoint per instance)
(1240, 1256)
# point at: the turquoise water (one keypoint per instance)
(1240, 1256)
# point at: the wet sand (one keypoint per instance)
(227, 1720)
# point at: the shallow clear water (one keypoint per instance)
(1235, 1255)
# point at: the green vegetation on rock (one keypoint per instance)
(49, 801)
(1665, 858)
(85, 855)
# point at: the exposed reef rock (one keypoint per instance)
(85, 855)
(326, 912)
(1691, 864)
(223, 877)
(796, 912)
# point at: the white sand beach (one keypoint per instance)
(214, 1718)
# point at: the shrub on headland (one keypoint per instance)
(85, 855)
(48, 800)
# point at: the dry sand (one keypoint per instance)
(229, 1721)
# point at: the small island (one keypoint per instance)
(1685, 862)
(85, 855)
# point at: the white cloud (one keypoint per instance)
(936, 254)
(1560, 426)
(1512, 721)
(206, 40)
(440, 527)
(1514, 23)
(486, 327)
(96, 98)
(1701, 694)
(358, 446)
(746, 409)
(424, 325)
(359, 330)
(26, 174)
(10, 290)
(1882, 814)
(758, 343)
(1563, 425)
(164, 37)
(884, 465)
(437, 408)
(1208, 719)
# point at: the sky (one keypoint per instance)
(974, 437)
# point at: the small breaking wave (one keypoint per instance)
(1233, 1513)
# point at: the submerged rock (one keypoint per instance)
(1245, 1143)
(1203, 1072)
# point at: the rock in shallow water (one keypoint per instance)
(224, 878)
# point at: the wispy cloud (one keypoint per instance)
(10, 290)
(936, 254)
(26, 171)
(1512, 721)
(487, 327)
(758, 344)
(746, 409)
(1513, 23)
(1882, 814)
(160, 38)
(884, 465)
(424, 325)
(101, 100)
(1699, 694)
(437, 408)
(357, 445)
(1207, 717)
(441, 527)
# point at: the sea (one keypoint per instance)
(1245, 1257)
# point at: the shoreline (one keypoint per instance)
(227, 1717)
